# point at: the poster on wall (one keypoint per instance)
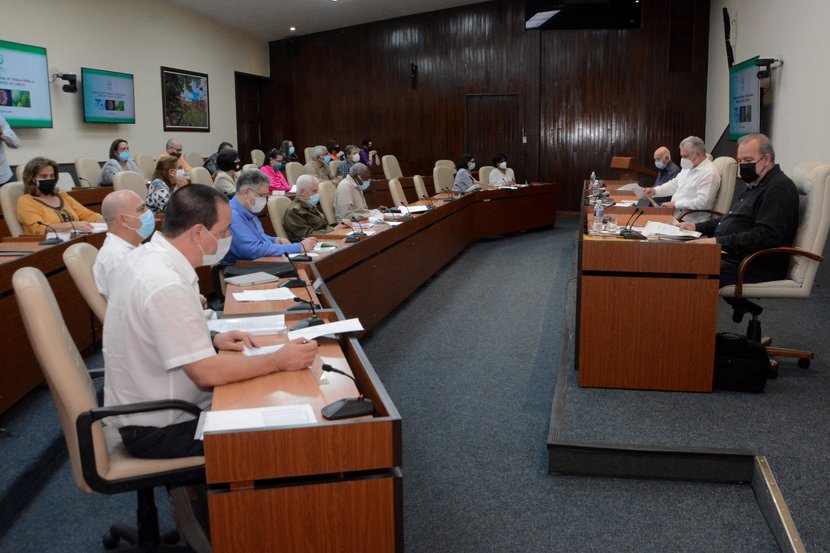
(184, 100)
(744, 99)
(24, 85)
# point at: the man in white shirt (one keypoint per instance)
(128, 224)
(156, 340)
(696, 187)
(349, 201)
(7, 138)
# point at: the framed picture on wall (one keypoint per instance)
(185, 100)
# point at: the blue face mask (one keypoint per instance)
(314, 199)
(291, 150)
(660, 164)
(278, 166)
(148, 224)
(471, 165)
(365, 184)
(123, 156)
(327, 159)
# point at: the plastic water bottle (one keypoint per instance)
(594, 184)
(599, 213)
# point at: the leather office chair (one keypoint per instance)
(88, 171)
(9, 194)
(98, 459)
(727, 168)
(306, 154)
(813, 183)
(79, 259)
(65, 181)
(332, 168)
(396, 191)
(147, 165)
(249, 166)
(257, 157)
(200, 175)
(277, 206)
(293, 170)
(130, 180)
(484, 176)
(448, 163)
(327, 194)
(442, 178)
(420, 186)
(18, 172)
(194, 159)
(391, 167)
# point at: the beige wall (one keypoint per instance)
(132, 37)
(797, 31)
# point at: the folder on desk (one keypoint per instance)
(259, 277)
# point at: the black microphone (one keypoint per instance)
(314, 320)
(633, 213)
(405, 216)
(74, 233)
(50, 241)
(430, 205)
(631, 234)
(304, 258)
(346, 408)
(356, 219)
(296, 282)
(450, 195)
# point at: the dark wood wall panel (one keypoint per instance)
(584, 95)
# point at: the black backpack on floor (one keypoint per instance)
(741, 365)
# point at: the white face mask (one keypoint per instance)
(503, 165)
(259, 204)
(222, 247)
(686, 163)
(356, 158)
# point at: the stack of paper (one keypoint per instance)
(258, 326)
(275, 294)
(653, 228)
(258, 417)
(251, 279)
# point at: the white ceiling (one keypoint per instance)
(271, 19)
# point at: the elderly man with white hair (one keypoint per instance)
(696, 187)
(317, 166)
(304, 218)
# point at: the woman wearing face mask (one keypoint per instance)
(334, 150)
(368, 155)
(289, 153)
(119, 161)
(352, 156)
(229, 166)
(42, 203)
(501, 175)
(249, 239)
(464, 181)
(165, 182)
(272, 166)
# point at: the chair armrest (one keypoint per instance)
(739, 285)
(688, 211)
(96, 373)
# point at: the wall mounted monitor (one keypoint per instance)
(109, 96)
(744, 99)
(24, 85)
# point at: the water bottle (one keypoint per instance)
(599, 213)
(594, 184)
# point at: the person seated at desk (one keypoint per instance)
(249, 240)
(464, 180)
(368, 155)
(119, 161)
(272, 167)
(288, 151)
(42, 205)
(351, 156)
(129, 223)
(696, 186)
(158, 291)
(210, 163)
(333, 147)
(765, 216)
(228, 165)
(349, 202)
(318, 165)
(165, 178)
(501, 175)
(304, 218)
(174, 148)
(666, 170)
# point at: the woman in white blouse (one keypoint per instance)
(501, 175)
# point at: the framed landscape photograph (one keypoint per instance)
(184, 100)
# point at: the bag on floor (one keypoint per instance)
(741, 365)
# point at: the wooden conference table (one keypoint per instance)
(647, 310)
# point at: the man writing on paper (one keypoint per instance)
(696, 186)
(156, 340)
(764, 216)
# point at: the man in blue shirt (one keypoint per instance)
(249, 239)
(666, 169)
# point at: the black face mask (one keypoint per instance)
(748, 172)
(46, 186)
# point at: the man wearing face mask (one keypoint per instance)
(764, 216)
(318, 165)
(158, 291)
(352, 156)
(174, 148)
(349, 202)
(249, 239)
(695, 187)
(666, 170)
(129, 223)
(304, 217)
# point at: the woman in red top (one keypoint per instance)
(272, 166)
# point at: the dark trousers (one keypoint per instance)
(757, 272)
(167, 442)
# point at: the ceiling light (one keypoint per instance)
(539, 19)
(292, 28)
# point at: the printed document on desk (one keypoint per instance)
(258, 326)
(274, 294)
(653, 228)
(233, 420)
(312, 332)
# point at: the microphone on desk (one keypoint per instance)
(314, 320)
(304, 258)
(359, 226)
(450, 196)
(430, 205)
(405, 216)
(50, 241)
(349, 407)
(295, 282)
(628, 231)
(75, 233)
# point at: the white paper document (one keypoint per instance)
(258, 326)
(264, 350)
(414, 208)
(274, 294)
(251, 279)
(99, 227)
(653, 228)
(505, 187)
(312, 332)
(310, 254)
(250, 419)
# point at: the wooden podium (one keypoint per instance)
(631, 167)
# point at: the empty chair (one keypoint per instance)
(420, 186)
(147, 165)
(88, 171)
(327, 194)
(277, 206)
(200, 175)
(332, 167)
(396, 191)
(193, 159)
(292, 172)
(391, 168)
(307, 154)
(98, 459)
(79, 259)
(65, 181)
(130, 180)
(442, 178)
(257, 157)
(9, 194)
(448, 163)
(484, 175)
